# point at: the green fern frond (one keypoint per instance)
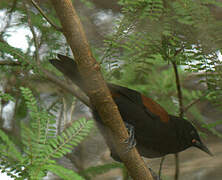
(36, 122)
(11, 157)
(6, 97)
(41, 144)
(70, 138)
(17, 53)
(41, 128)
(9, 149)
(9, 167)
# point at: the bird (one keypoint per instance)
(153, 131)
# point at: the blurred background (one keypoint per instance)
(136, 43)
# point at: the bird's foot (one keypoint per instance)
(131, 141)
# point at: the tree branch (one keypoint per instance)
(71, 88)
(98, 92)
(179, 91)
(180, 97)
(35, 39)
(9, 63)
(45, 16)
(193, 102)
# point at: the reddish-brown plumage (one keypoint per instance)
(155, 108)
(115, 94)
(156, 132)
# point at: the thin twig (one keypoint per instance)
(177, 162)
(60, 121)
(72, 108)
(180, 97)
(193, 102)
(35, 39)
(52, 105)
(73, 89)
(161, 165)
(9, 63)
(14, 51)
(178, 51)
(45, 16)
(65, 111)
(179, 91)
(50, 76)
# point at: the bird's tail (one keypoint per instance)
(69, 68)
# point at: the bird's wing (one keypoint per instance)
(152, 108)
(69, 67)
(155, 108)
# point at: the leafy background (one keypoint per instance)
(136, 43)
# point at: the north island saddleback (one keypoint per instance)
(154, 132)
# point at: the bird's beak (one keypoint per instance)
(202, 147)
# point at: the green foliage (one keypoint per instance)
(143, 8)
(178, 25)
(17, 54)
(6, 97)
(209, 126)
(150, 36)
(153, 34)
(41, 145)
(73, 135)
(88, 3)
(96, 170)
(10, 156)
(62, 172)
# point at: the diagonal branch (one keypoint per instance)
(9, 63)
(45, 16)
(191, 104)
(194, 102)
(98, 92)
(70, 88)
(35, 39)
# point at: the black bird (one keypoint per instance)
(156, 132)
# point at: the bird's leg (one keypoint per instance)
(131, 141)
(161, 165)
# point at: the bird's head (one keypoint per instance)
(196, 141)
(189, 136)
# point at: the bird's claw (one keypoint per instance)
(131, 141)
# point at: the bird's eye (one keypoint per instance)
(194, 141)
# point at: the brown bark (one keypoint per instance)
(98, 92)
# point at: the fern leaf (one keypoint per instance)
(17, 53)
(72, 136)
(9, 149)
